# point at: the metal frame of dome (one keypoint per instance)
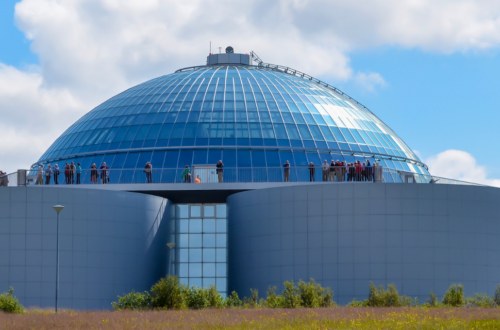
(297, 73)
(265, 67)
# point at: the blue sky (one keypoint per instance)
(434, 82)
(437, 102)
(15, 47)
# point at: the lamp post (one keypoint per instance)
(57, 208)
(171, 246)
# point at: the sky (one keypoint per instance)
(429, 69)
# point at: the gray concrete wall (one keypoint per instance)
(111, 242)
(420, 237)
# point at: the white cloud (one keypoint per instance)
(370, 80)
(459, 165)
(32, 116)
(90, 50)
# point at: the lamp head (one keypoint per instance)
(171, 245)
(58, 208)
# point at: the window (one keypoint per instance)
(200, 254)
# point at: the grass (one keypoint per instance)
(318, 318)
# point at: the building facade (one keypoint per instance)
(247, 228)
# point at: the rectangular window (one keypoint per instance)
(201, 241)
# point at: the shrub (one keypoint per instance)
(214, 297)
(291, 297)
(134, 301)
(273, 300)
(196, 298)
(9, 303)
(432, 302)
(253, 301)
(233, 300)
(313, 295)
(479, 300)
(496, 296)
(454, 296)
(356, 303)
(327, 298)
(167, 293)
(379, 297)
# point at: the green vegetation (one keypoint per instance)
(9, 303)
(379, 297)
(454, 296)
(168, 293)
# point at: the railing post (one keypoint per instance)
(378, 173)
(21, 177)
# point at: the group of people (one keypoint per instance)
(337, 171)
(334, 171)
(4, 179)
(71, 171)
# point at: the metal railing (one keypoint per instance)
(209, 174)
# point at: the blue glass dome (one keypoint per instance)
(248, 116)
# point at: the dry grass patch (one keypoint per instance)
(319, 318)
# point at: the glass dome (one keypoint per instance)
(247, 116)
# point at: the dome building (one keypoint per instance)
(248, 116)
(243, 228)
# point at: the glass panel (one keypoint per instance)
(221, 284)
(221, 240)
(195, 240)
(221, 270)
(221, 255)
(184, 255)
(183, 270)
(221, 211)
(208, 255)
(183, 226)
(221, 225)
(183, 240)
(209, 240)
(195, 211)
(209, 269)
(207, 282)
(209, 211)
(195, 269)
(195, 226)
(181, 211)
(195, 255)
(209, 226)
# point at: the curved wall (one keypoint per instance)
(110, 243)
(419, 237)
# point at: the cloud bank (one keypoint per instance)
(89, 50)
(459, 165)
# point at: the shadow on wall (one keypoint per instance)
(156, 243)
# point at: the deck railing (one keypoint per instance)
(208, 174)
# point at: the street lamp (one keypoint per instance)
(57, 208)
(171, 246)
